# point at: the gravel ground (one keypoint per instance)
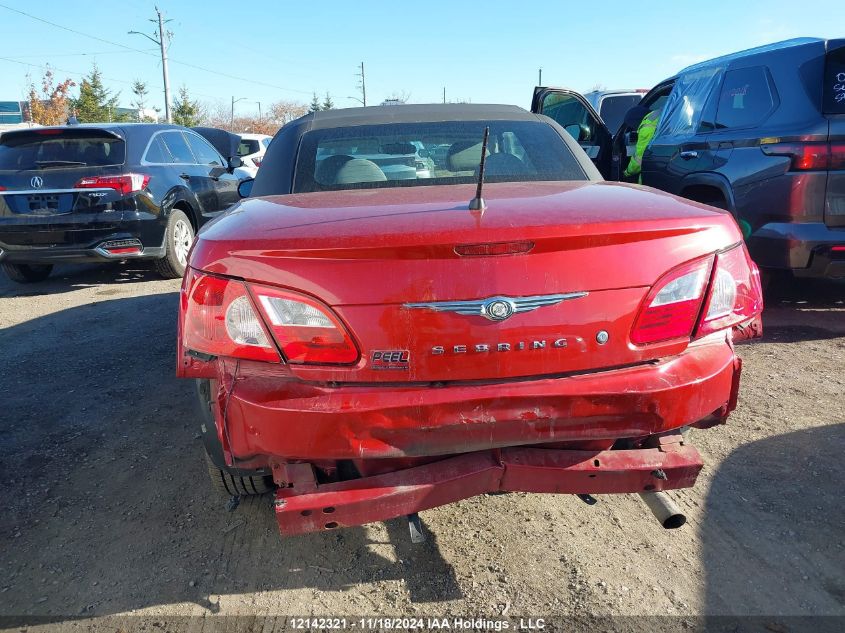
(107, 511)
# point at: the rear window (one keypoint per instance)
(49, 149)
(247, 147)
(419, 154)
(746, 98)
(615, 107)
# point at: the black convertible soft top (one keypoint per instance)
(431, 113)
(224, 142)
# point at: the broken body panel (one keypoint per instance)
(441, 405)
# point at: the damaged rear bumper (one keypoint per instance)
(403, 492)
(272, 419)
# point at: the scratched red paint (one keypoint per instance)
(366, 253)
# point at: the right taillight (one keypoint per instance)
(735, 294)
(671, 309)
(699, 297)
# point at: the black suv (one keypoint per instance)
(107, 192)
(760, 133)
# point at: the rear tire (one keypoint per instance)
(177, 241)
(231, 485)
(27, 273)
(226, 482)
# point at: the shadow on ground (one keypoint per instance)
(772, 535)
(70, 277)
(106, 504)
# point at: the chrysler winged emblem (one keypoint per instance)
(496, 308)
(37, 182)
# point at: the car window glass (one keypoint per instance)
(157, 152)
(178, 147)
(684, 107)
(34, 151)
(415, 154)
(247, 146)
(266, 142)
(204, 152)
(745, 99)
(833, 101)
(614, 108)
(571, 114)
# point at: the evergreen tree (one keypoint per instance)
(315, 105)
(186, 112)
(95, 103)
(328, 104)
(139, 89)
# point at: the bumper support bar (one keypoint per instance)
(404, 492)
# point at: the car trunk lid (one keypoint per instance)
(389, 265)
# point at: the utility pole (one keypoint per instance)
(444, 94)
(259, 110)
(363, 85)
(234, 101)
(540, 80)
(161, 39)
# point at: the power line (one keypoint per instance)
(52, 55)
(81, 74)
(137, 50)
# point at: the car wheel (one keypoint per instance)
(226, 482)
(28, 273)
(177, 242)
(230, 485)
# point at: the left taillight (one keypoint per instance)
(123, 184)
(307, 331)
(227, 317)
(257, 161)
(219, 319)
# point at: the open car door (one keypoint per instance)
(574, 114)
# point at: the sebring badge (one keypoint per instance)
(496, 308)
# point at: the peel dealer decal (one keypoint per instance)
(390, 359)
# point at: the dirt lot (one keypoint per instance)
(106, 507)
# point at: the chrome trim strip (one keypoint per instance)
(480, 307)
(29, 192)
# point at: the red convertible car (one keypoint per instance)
(375, 333)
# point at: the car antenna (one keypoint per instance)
(477, 203)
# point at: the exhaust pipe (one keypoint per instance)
(664, 509)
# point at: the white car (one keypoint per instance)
(251, 151)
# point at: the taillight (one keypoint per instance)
(736, 294)
(222, 317)
(671, 309)
(809, 156)
(256, 162)
(307, 331)
(220, 320)
(124, 184)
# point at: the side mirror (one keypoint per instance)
(235, 162)
(245, 187)
(574, 130)
(424, 153)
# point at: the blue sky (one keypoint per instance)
(480, 51)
